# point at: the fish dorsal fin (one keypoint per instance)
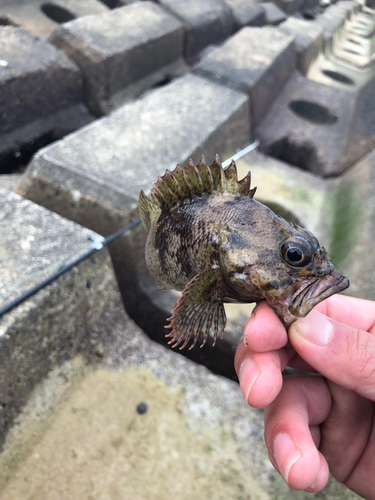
(191, 180)
(148, 210)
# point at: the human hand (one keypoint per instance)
(315, 424)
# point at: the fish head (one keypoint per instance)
(279, 262)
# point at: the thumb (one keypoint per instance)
(341, 353)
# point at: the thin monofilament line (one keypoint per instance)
(98, 245)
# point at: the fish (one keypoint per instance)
(210, 239)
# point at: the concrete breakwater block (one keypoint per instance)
(318, 127)
(206, 22)
(257, 61)
(40, 96)
(274, 15)
(40, 17)
(308, 40)
(122, 52)
(76, 314)
(246, 13)
(94, 175)
(333, 19)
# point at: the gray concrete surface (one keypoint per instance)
(41, 94)
(257, 61)
(274, 15)
(94, 176)
(116, 67)
(308, 39)
(74, 315)
(246, 13)
(206, 22)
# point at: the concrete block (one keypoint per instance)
(308, 39)
(40, 96)
(362, 25)
(206, 22)
(255, 60)
(356, 50)
(332, 21)
(318, 127)
(40, 18)
(246, 13)
(289, 7)
(123, 52)
(75, 315)
(274, 15)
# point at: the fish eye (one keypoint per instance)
(296, 252)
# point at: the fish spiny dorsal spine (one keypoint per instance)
(191, 180)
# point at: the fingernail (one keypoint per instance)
(247, 374)
(315, 328)
(312, 485)
(286, 454)
(246, 329)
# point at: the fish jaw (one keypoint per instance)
(316, 291)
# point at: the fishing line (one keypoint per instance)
(97, 244)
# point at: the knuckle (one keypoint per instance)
(361, 356)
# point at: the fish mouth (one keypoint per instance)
(316, 291)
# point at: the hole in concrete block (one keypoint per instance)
(313, 112)
(142, 408)
(57, 13)
(300, 155)
(164, 81)
(112, 4)
(352, 51)
(5, 21)
(353, 41)
(16, 160)
(339, 77)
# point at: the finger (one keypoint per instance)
(259, 374)
(358, 313)
(264, 331)
(343, 354)
(302, 402)
(346, 433)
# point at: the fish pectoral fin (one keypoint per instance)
(199, 309)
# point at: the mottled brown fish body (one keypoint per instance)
(210, 239)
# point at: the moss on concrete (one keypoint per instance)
(347, 214)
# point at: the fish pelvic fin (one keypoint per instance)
(193, 180)
(199, 310)
(148, 210)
